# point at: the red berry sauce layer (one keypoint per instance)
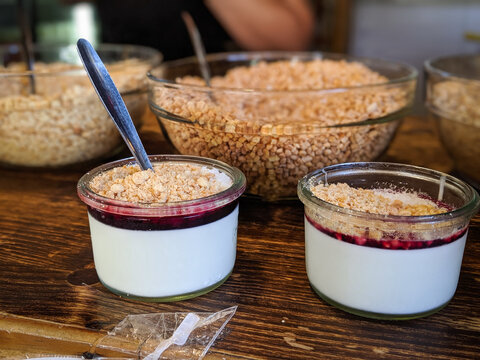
(162, 223)
(398, 243)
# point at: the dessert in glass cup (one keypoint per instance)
(385, 240)
(163, 235)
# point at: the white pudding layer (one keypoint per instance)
(379, 280)
(163, 263)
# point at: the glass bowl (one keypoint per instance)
(293, 113)
(453, 97)
(169, 251)
(61, 121)
(386, 266)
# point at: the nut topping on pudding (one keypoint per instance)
(378, 201)
(168, 182)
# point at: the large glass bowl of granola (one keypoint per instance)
(453, 97)
(279, 115)
(52, 117)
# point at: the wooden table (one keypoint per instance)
(48, 285)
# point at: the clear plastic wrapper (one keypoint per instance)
(143, 334)
(156, 336)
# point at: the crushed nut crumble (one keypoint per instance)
(457, 105)
(64, 122)
(276, 137)
(377, 201)
(168, 182)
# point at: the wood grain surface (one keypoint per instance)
(49, 288)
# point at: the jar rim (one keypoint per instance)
(468, 209)
(233, 192)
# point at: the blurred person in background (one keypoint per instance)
(224, 25)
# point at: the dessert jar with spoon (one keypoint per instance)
(164, 227)
(385, 240)
(165, 234)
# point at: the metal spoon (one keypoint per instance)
(112, 100)
(198, 46)
(27, 43)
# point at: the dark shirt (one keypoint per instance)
(158, 24)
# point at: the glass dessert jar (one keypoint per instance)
(164, 251)
(386, 266)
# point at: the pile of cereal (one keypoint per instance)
(276, 137)
(298, 75)
(457, 103)
(459, 99)
(377, 201)
(167, 182)
(63, 122)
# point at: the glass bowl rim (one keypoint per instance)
(154, 57)
(429, 66)
(283, 55)
(470, 208)
(178, 208)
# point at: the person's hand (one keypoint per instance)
(266, 24)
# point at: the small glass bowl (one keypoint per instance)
(277, 136)
(168, 252)
(453, 97)
(384, 266)
(61, 121)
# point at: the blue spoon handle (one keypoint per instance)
(112, 100)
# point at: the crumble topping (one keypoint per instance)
(377, 201)
(276, 137)
(64, 122)
(168, 182)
